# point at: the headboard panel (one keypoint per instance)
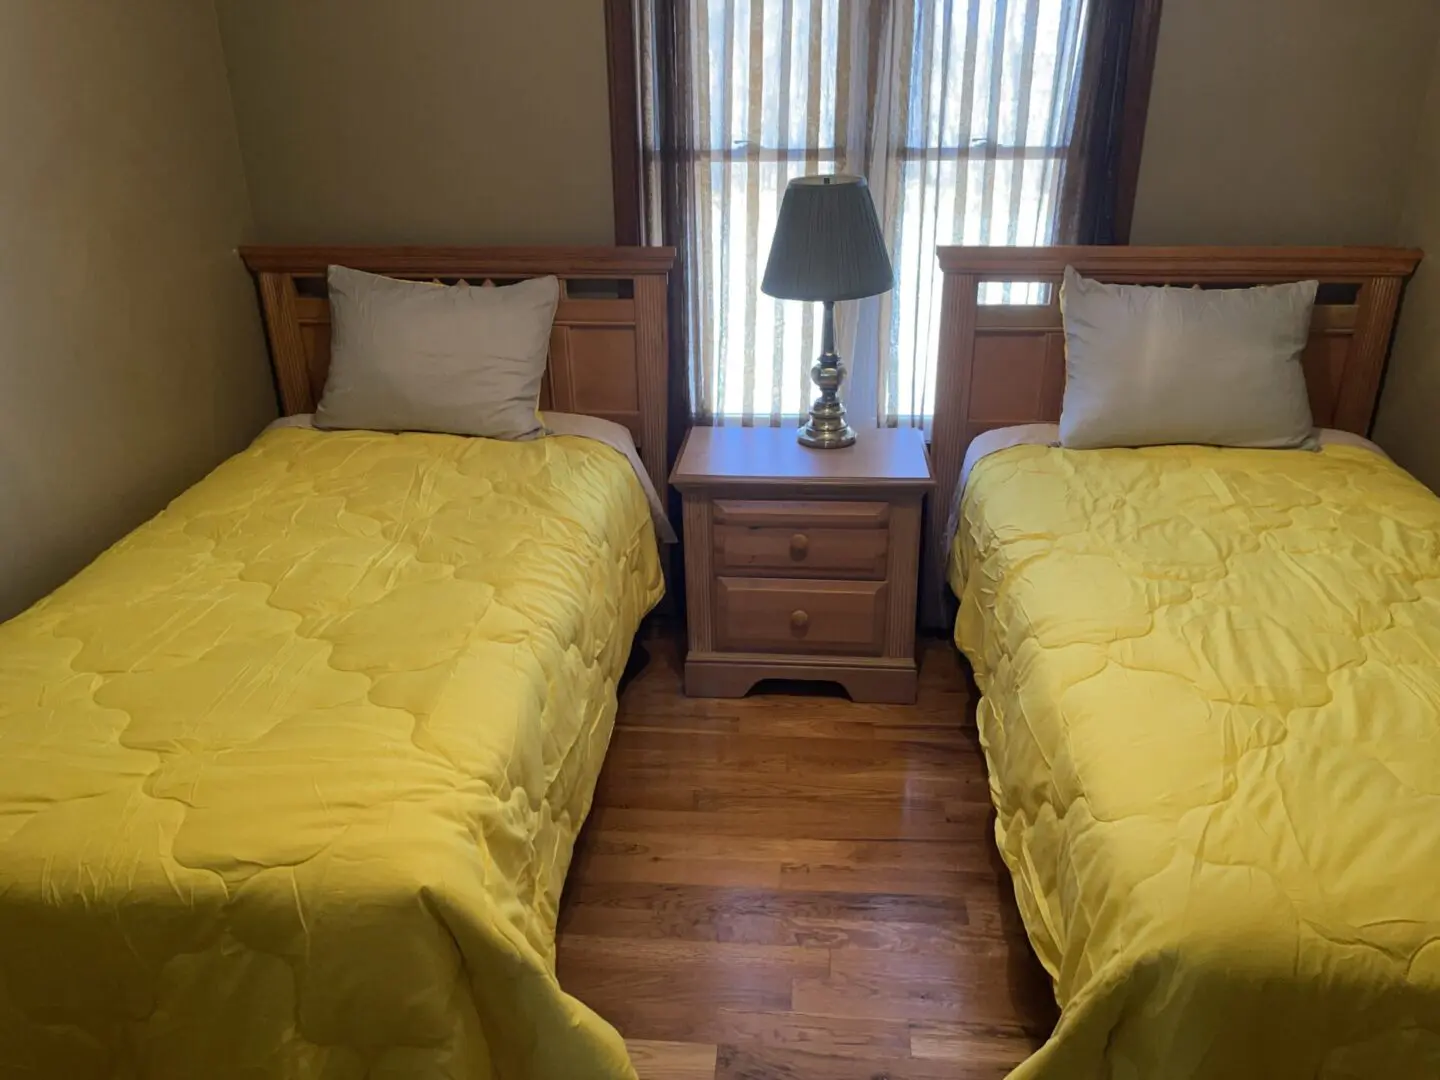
(608, 347)
(1005, 364)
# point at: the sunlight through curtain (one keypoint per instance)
(973, 120)
(959, 113)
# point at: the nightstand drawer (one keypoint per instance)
(760, 615)
(801, 551)
(791, 513)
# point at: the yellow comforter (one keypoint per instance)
(289, 777)
(1211, 712)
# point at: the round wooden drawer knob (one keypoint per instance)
(799, 545)
(799, 620)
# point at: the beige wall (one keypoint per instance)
(131, 359)
(1409, 422)
(428, 121)
(1283, 121)
(132, 351)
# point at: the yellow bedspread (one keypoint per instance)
(1211, 713)
(289, 777)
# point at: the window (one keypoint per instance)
(772, 103)
(960, 113)
(987, 131)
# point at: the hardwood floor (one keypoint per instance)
(794, 887)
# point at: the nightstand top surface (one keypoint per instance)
(730, 455)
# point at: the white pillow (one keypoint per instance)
(412, 356)
(1147, 366)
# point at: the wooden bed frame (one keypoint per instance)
(608, 349)
(1004, 365)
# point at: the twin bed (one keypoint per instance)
(1211, 696)
(290, 776)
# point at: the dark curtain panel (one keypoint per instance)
(1110, 110)
(667, 185)
(667, 197)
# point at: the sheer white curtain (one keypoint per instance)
(960, 115)
(974, 114)
(772, 99)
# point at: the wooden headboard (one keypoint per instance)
(1005, 364)
(608, 349)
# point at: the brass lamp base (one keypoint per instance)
(822, 434)
(826, 429)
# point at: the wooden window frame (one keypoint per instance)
(626, 152)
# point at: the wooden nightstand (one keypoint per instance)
(801, 564)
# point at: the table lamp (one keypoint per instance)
(828, 246)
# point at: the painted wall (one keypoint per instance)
(131, 355)
(423, 121)
(134, 359)
(1409, 422)
(1283, 121)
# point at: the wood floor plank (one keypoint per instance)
(915, 729)
(867, 996)
(1015, 988)
(662, 745)
(983, 962)
(972, 1045)
(976, 987)
(704, 902)
(627, 980)
(943, 709)
(628, 759)
(680, 957)
(658, 720)
(914, 880)
(672, 1060)
(755, 1061)
(848, 1039)
(799, 888)
(603, 866)
(670, 787)
(881, 820)
(859, 854)
(889, 922)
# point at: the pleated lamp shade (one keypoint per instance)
(828, 244)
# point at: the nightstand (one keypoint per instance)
(799, 563)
